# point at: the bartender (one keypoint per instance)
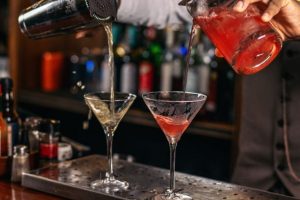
(269, 138)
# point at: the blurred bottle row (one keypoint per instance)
(146, 59)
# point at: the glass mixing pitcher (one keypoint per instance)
(247, 43)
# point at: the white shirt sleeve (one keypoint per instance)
(157, 13)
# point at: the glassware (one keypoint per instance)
(49, 133)
(173, 111)
(109, 113)
(246, 42)
(20, 162)
(30, 133)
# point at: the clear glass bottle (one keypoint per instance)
(20, 163)
(49, 138)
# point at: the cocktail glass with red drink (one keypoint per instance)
(246, 42)
(173, 111)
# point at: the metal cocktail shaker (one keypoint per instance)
(48, 18)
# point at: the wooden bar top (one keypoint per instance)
(10, 191)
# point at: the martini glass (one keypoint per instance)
(109, 113)
(173, 111)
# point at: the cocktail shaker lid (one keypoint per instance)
(104, 10)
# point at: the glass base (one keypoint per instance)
(168, 195)
(109, 185)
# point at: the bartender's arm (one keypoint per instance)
(283, 14)
(157, 13)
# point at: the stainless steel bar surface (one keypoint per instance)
(71, 179)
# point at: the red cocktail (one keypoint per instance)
(172, 127)
(246, 42)
(173, 111)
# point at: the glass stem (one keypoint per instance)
(109, 142)
(172, 165)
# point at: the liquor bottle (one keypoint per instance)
(179, 61)
(10, 115)
(128, 68)
(146, 65)
(166, 73)
(146, 74)
(211, 102)
(156, 55)
(191, 84)
(3, 134)
(177, 74)
(49, 133)
(105, 75)
(128, 76)
(203, 69)
(48, 18)
(167, 64)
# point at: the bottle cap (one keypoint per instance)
(20, 150)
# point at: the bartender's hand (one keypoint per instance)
(283, 14)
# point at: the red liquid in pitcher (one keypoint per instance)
(246, 42)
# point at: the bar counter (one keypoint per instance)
(9, 191)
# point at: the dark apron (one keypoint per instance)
(261, 161)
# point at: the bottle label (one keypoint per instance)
(203, 78)
(105, 76)
(128, 78)
(48, 151)
(166, 76)
(191, 84)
